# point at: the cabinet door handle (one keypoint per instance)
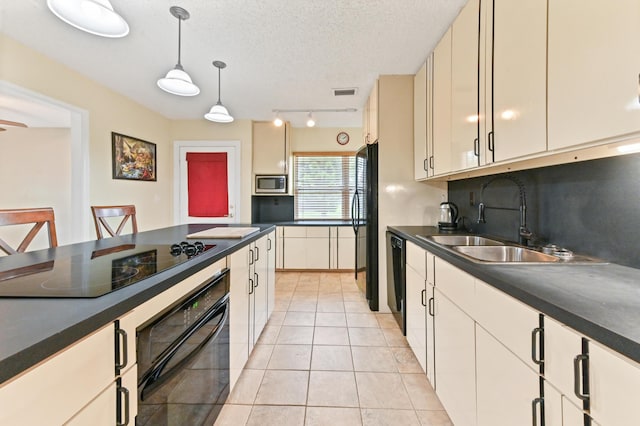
(431, 162)
(425, 165)
(251, 287)
(268, 244)
(476, 147)
(431, 310)
(423, 297)
(122, 350)
(123, 400)
(579, 360)
(491, 144)
(534, 410)
(536, 337)
(256, 278)
(251, 258)
(257, 254)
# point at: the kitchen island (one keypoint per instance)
(34, 329)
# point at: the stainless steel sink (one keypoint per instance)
(462, 240)
(505, 254)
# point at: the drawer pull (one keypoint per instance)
(578, 361)
(534, 410)
(536, 338)
(123, 394)
(121, 335)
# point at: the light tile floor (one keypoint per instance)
(325, 359)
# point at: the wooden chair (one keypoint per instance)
(39, 217)
(100, 213)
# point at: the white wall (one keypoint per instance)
(35, 171)
(108, 112)
(323, 139)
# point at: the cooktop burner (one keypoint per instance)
(96, 273)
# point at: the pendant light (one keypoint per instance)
(93, 16)
(218, 113)
(177, 81)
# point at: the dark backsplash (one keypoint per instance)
(269, 209)
(591, 208)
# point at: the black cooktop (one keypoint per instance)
(95, 273)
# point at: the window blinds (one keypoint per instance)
(324, 184)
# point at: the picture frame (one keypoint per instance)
(132, 158)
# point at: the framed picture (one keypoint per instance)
(132, 158)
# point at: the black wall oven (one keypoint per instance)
(183, 359)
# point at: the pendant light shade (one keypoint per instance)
(218, 113)
(93, 16)
(177, 81)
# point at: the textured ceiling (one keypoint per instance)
(280, 54)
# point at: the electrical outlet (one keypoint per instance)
(472, 201)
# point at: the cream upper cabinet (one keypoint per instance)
(464, 88)
(373, 114)
(594, 70)
(420, 154)
(370, 116)
(271, 148)
(514, 121)
(442, 106)
(421, 127)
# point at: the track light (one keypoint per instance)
(278, 121)
(310, 121)
(177, 81)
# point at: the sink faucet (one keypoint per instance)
(523, 232)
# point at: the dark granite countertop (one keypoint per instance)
(601, 301)
(33, 329)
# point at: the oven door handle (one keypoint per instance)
(155, 376)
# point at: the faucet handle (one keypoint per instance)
(481, 213)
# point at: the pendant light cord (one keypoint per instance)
(179, 40)
(219, 88)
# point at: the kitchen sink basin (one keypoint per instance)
(505, 254)
(462, 240)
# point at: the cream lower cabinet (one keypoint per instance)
(259, 280)
(455, 361)
(279, 247)
(345, 248)
(238, 264)
(416, 302)
(501, 399)
(316, 247)
(306, 247)
(80, 379)
(272, 259)
(249, 295)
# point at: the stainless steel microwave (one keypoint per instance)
(271, 184)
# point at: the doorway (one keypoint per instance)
(66, 188)
(181, 185)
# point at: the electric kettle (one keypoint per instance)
(448, 216)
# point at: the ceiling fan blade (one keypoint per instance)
(12, 123)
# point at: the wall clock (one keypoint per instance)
(343, 138)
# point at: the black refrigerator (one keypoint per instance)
(364, 219)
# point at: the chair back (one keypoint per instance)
(39, 217)
(101, 213)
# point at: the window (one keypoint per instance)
(324, 184)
